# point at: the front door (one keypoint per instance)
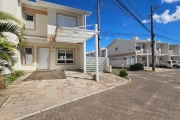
(43, 58)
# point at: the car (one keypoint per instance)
(175, 64)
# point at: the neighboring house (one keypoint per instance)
(127, 52)
(92, 53)
(55, 40)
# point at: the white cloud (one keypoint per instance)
(145, 21)
(166, 17)
(169, 1)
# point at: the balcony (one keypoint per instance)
(158, 51)
(140, 51)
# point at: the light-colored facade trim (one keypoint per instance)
(34, 11)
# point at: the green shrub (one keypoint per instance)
(123, 73)
(137, 67)
(17, 73)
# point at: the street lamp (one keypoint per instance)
(130, 55)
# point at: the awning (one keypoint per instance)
(73, 35)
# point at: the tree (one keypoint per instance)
(10, 24)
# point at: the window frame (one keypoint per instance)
(32, 47)
(66, 16)
(30, 15)
(65, 58)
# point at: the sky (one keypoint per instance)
(117, 23)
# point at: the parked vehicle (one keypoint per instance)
(175, 64)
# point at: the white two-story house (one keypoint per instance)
(139, 51)
(56, 35)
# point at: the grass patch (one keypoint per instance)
(9, 79)
(126, 78)
(122, 77)
(147, 70)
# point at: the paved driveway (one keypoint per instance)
(149, 96)
(26, 97)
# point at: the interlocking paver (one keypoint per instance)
(23, 109)
(38, 106)
(19, 104)
(16, 99)
(26, 94)
(47, 93)
(32, 102)
(29, 97)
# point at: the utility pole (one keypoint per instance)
(152, 37)
(98, 22)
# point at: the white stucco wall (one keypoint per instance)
(40, 25)
(78, 58)
(122, 45)
(52, 19)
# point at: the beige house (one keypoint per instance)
(127, 52)
(56, 35)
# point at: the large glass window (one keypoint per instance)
(65, 56)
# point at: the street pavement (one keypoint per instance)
(149, 96)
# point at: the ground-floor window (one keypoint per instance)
(28, 60)
(65, 56)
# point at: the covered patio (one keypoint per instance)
(79, 36)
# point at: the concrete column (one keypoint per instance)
(136, 58)
(147, 58)
(106, 52)
(96, 53)
(84, 52)
(84, 20)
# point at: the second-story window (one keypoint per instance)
(170, 47)
(30, 21)
(66, 21)
(138, 48)
(29, 17)
(116, 49)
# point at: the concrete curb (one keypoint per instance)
(40, 111)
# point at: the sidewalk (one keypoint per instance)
(27, 97)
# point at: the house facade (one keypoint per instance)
(103, 53)
(56, 35)
(139, 51)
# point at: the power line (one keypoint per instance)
(142, 17)
(92, 18)
(133, 15)
(119, 11)
(113, 23)
(165, 37)
(167, 32)
(128, 34)
(120, 8)
(135, 9)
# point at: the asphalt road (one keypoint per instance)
(149, 96)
